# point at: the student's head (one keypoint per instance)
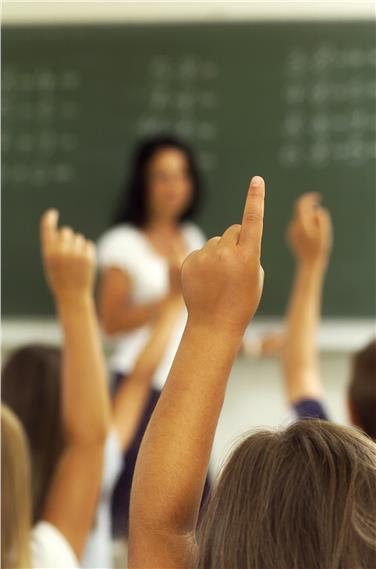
(163, 183)
(15, 493)
(31, 388)
(304, 497)
(362, 390)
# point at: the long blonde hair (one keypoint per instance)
(15, 493)
(304, 497)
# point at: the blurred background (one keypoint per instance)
(285, 90)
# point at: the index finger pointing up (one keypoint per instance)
(253, 216)
(48, 226)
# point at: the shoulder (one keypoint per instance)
(310, 408)
(118, 245)
(120, 235)
(49, 548)
(193, 235)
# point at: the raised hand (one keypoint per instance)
(310, 231)
(69, 259)
(69, 262)
(222, 283)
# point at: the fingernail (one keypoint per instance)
(256, 181)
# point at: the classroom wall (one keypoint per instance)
(56, 11)
(255, 398)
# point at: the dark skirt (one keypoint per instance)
(122, 491)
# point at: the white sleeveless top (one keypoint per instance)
(125, 247)
(50, 549)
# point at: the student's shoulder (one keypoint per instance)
(310, 408)
(193, 235)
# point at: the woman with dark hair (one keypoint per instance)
(140, 259)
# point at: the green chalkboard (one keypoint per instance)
(294, 102)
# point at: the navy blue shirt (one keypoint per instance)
(310, 409)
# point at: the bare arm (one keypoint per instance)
(132, 395)
(310, 240)
(72, 497)
(117, 312)
(222, 286)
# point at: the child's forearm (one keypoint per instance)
(176, 448)
(300, 354)
(69, 261)
(222, 285)
(86, 408)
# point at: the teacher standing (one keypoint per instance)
(140, 259)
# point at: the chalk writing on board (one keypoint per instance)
(25, 143)
(182, 96)
(329, 97)
(69, 80)
(68, 142)
(39, 120)
(188, 68)
(185, 128)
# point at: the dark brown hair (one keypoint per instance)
(31, 388)
(301, 498)
(362, 390)
(134, 196)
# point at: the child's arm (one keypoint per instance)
(222, 286)
(69, 262)
(309, 236)
(132, 395)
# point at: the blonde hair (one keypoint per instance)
(15, 493)
(304, 497)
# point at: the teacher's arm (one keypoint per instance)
(132, 395)
(117, 312)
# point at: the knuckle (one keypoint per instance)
(235, 227)
(225, 252)
(253, 216)
(214, 239)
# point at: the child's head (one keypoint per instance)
(304, 497)
(31, 388)
(15, 493)
(362, 390)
